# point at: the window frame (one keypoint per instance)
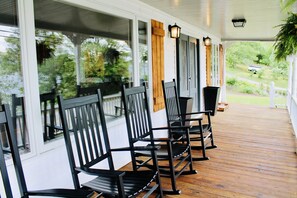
(30, 70)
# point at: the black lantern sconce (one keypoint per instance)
(238, 22)
(174, 31)
(207, 41)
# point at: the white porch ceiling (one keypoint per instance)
(214, 16)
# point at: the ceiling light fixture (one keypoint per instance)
(238, 22)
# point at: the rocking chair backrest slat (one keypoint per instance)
(138, 119)
(4, 173)
(7, 125)
(172, 104)
(84, 118)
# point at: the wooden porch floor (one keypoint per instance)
(255, 157)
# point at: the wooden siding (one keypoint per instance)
(208, 65)
(158, 34)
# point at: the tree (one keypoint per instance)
(58, 72)
(105, 59)
(244, 53)
(11, 81)
(259, 58)
(11, 59)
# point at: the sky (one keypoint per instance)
(6, 31)
(2, 44)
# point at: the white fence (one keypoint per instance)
(277, 96)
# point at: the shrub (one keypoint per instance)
(247, 90)
(231, 81)
(246, 87)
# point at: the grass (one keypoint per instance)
(239, 98)
(242, 90)
(241, 71)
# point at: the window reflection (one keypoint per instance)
(11, 80)
(79, 51)
(143, 52)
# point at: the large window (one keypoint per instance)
(11, 79)
(143, 52)
(79, 51)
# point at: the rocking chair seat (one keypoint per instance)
(162, 153)
(177, 151)
(134, 183)
(196, 129)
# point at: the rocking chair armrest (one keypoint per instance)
(198, 112)
(156, 140)
(172, 127)
(68, 193)
(137, 148)
(160, 128)
(190, 119)
(121, 149)
(149, 147)
(102, 172)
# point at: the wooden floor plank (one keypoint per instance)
(255, 157)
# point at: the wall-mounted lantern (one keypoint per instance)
(207, 41)
(174, 31)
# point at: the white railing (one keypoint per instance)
(277, 96)
(112, 105)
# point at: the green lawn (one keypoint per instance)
(245, 87)
(239, 98)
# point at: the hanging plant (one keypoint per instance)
(286, 39)
(287, 5)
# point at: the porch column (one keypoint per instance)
(223, 86)
(294, 77)
(77, 53)
(294, 100)
(290, 80)
(290, 60)
(77, 40)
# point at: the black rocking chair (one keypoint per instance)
(176, 154)
(201, 132)
(83, 119)
(6, 124)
